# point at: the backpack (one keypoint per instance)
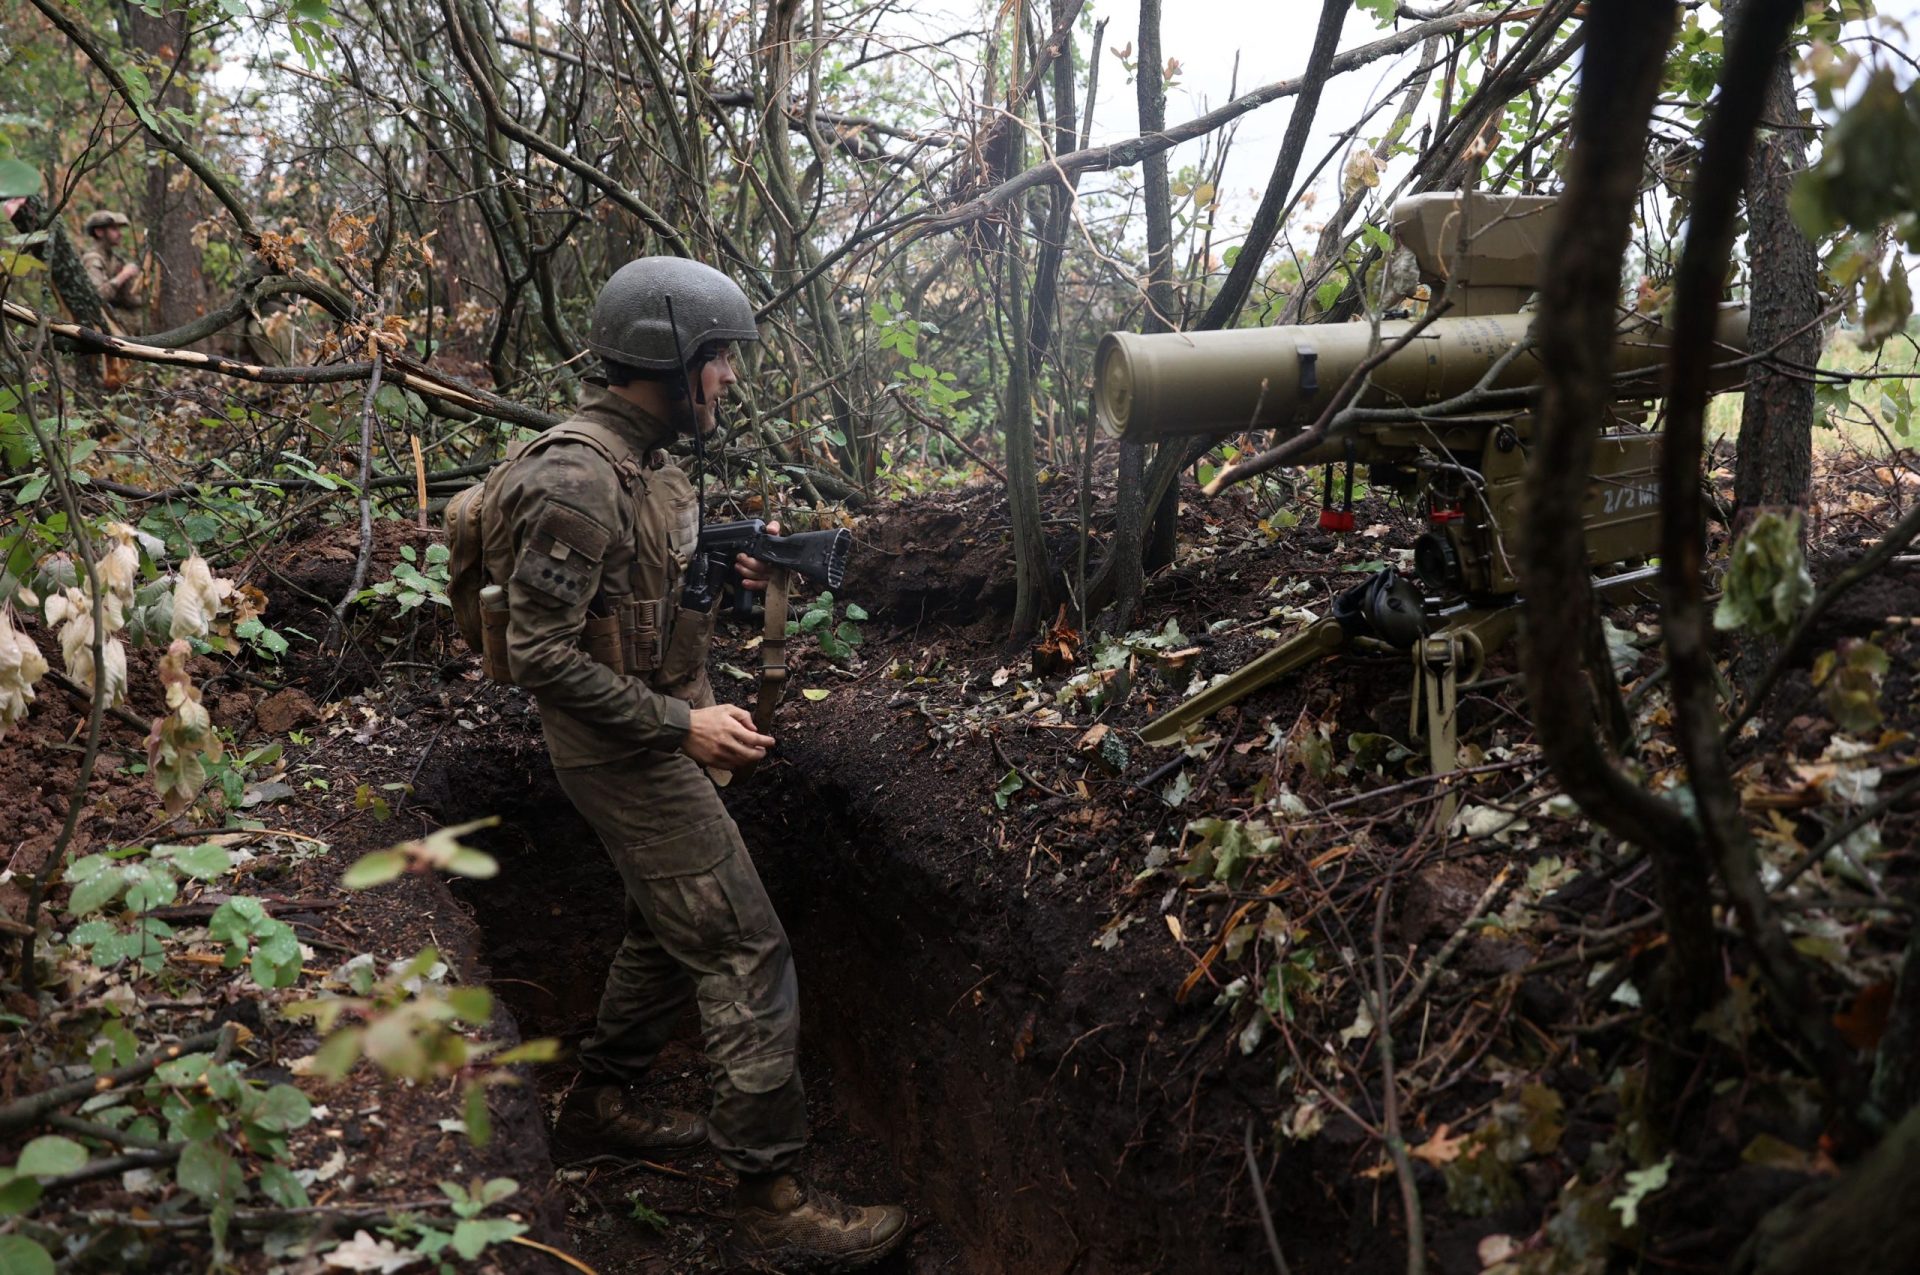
(466, 561)
(467, 515)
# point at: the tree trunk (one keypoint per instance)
(1626, 44)
(1775, 464)
(171, 206)
(1130, 513)
(1033, 587)
(1868, 1220)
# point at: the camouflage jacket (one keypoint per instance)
(102, 266)
(573, 535)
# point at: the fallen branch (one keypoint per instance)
(24, 1113)
(400, 371)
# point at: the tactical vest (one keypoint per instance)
(633, 625)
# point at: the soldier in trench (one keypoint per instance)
(592, 523)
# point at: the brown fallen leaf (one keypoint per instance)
(1440, 1149)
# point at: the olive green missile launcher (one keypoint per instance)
(1444, 420)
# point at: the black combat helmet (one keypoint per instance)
(630, 316)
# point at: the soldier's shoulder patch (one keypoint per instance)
(562, 554)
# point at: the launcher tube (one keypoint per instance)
(1175, 383)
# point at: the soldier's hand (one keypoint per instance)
(754, 573)
(724, 736)
(128, 271)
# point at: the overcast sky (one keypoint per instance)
(1271, 40)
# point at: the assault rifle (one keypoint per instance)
(1443, 418)
(820, 556)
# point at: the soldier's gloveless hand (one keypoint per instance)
(753, 572)
(724, 736)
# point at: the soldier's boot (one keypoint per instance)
(612, 1117)
(781, 1222)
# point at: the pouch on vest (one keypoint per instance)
(493, 634)
(686, 649)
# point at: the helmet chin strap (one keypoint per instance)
(696, 397)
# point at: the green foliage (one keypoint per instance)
(1767, 583)
(413, 582)
(837, 640)
(1849, 679)
(1226, 847)
(243, 925)
(140, 880)
(640, 1211)
(442, 849)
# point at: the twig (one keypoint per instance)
(419, 479)
(551, 1251)
(1260, 1198)
(24, 1112)
(1890, 545)
(97, 704)
(113, 1164)
(942, 430)
(366, 507)
(1390, 1090)
(1453, 944)
(82, 695)
(1844, 829)
(1019, 770)
(103, 1133)
(270, 1217)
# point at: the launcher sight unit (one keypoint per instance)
(1445, 421)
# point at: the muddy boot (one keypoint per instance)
(782, 1223)
(612, 1118)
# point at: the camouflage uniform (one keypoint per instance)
(103, 264)
(576, 528)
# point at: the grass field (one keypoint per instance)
(1885, 403)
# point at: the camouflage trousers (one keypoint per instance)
(699, 927)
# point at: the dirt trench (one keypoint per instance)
(943, 1062)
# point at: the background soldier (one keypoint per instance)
(117, 281)
(591, 528)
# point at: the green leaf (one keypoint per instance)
(21, 1256)
(1767, 584)
(545, 1049)
(1640, 1184)
(276, 962)
(282, 1107)
(96, 891)
(471, 1004)
(278, 1184)
(17, 178)
(202, 862)
(211, 1174)
(479, 1119)
(477, 864)
(338, 1053)
(149, 886)
(815, 694)
(236, 920)
(184, 1070)
(18, 1195)
(50, 1157)
(471, 1237)
(856, 612)
(374, 869)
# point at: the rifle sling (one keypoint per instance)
(773, 669)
